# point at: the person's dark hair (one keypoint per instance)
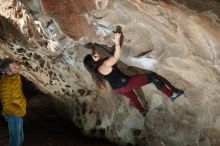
(4, 65)
(92, 67)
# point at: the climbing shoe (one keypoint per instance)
(176, 94)
(146, 109)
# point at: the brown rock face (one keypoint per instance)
(8, 30)
(48, 37)
(207, 5)
(69, 14)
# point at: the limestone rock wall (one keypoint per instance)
(177, 39)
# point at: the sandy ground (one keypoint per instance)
(43, 127)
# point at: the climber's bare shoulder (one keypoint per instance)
(105, 70)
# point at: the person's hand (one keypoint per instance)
(116, 40)
(119, 30)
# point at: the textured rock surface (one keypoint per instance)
(48, 37)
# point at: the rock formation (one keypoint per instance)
(177, 39)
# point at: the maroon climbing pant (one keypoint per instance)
(136, 82)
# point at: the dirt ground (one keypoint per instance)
(44, 127)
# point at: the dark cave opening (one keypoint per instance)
(43, 126)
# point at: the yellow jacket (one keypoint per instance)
(11, 95)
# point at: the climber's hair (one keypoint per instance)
(92, 66)
(4, 65)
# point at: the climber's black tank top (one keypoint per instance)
(116, 78)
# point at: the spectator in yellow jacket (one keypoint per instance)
(13, 100)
